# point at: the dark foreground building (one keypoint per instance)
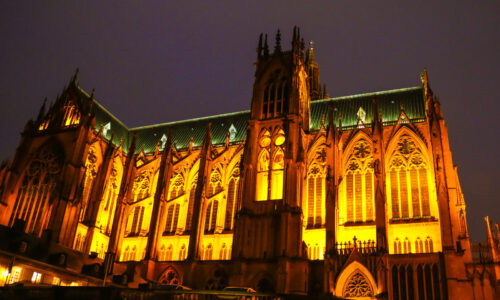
(353, 196)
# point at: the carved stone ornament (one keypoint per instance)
(46, 161)
(314, 170)
(362, 149)
(141, 181)
(321, 155)
(405, 145)
(357, 286)
(353, 166)
(417, 160)
(397, 161)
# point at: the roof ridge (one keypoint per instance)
(190, 120)
(103, 108)
(393, 91)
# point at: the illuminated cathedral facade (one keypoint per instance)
(353, 196)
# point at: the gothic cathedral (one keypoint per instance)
(354, 196)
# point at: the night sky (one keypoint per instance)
(153, 61)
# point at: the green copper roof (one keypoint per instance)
(182, 131)
(147, 137)
(389, 103)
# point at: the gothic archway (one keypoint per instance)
(356, 282)
(170, 276)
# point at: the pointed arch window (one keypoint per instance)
(407, 246)
(397, 246)
(315, 196)
(429, 246)
(108, 203)
(91, 169)
(137, 216)
(276, 97)
(263, 175)
(141, 187)
(71, 114)
(211, 216)
(408, 178)
(278, 166)
(419, 246)
(38, 183)
(189, 217)
(215, 185)
(177, 186)
(232, 196)
(182, 252)
(223, 252)
(270, 166)
(359, 183)
(172, 218)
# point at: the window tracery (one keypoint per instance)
(215, 185)
(33, 195)
(408, 180)
(357, 286)
(270, 166)
(177, 185)
(142, 183)
(359, 183)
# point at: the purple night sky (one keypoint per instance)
(159, 61)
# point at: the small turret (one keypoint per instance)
(312, 69)
(266, 47)
(277, 46)
(259, 47)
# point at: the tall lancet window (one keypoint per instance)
(408, 179)
(34, 193)
(71, 114)
(359, 182)
(211, 216)
(192, 192)
(270, 166)
(316, 189)
(91, 168)
(276, 95)
(108, 203)
(232, 196)
(172, 218)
